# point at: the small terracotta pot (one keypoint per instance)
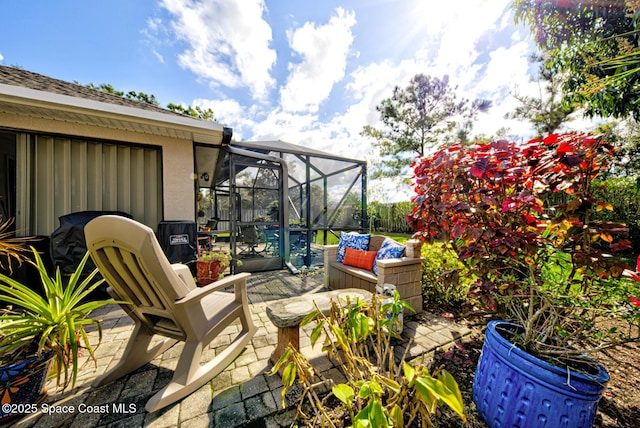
(208, 271)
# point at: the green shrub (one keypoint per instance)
(444, 278)
(389, 217)
(621, 197)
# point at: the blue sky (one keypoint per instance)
(306, 72)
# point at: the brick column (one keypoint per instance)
(406, 278)
(413, 248)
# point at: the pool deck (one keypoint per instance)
(243, 395)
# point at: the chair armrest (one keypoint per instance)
(403, 261)
(239, 281)
(330, 251)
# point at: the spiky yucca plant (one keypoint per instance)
(54, 322)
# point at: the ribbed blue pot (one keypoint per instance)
(512, 388)
(23, 383)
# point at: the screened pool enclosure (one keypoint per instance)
(273, 203)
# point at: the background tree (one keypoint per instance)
(258, 187)
(547, 112)
(197, 111)
(104, 87)
(416, 118)
(502, 133)
(132, 95)
(626, 136)
(193, 111)
(595, 43)
(349, 213)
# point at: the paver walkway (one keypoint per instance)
(242, 395)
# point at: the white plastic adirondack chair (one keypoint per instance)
(164, 300)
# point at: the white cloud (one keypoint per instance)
(155, 35)
(457, 28)
(507, 68)
(158, 56)
(476, 46)
(1, 57)
(323, 50)
(231, 113)
(505, 73)
(340, 134)
(154, 24)
(227, 42)
(295, 128)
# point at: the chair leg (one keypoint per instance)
(136, 354)
(190, 375)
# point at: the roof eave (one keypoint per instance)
(201, 130)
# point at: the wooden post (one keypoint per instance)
(286, 336)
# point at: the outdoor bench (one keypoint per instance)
(404, 272)
(287, 314)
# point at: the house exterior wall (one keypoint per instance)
(177, 156)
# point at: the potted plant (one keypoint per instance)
(212, 264)
(42, 331)
(521, 217)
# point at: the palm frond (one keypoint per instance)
(11, 248)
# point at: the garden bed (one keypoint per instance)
(619, 407)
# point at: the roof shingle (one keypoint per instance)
(28, 79)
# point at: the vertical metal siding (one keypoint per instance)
(23, 172)
(64, 176)
(94, 176)
(43, 214)
(80, 176)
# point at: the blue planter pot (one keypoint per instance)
(512, 388)
(23, 383)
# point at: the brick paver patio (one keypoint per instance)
(241, 395)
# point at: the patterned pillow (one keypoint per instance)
(389, 249)
(353, 240)
(359, 258)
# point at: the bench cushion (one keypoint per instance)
(363, 274)
(390, 249)
(353, 240)
(360, 258)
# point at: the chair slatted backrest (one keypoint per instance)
(132, 262)
(127, 271)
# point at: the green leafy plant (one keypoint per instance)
(623, 195)
(54, 322)
(224, 256)
(445, 281)
(520, 217)
(379, 392)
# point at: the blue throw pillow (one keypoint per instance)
(353, 240)
(389, 249)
